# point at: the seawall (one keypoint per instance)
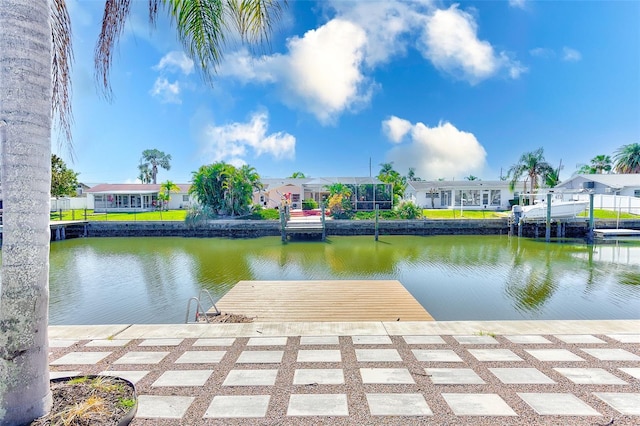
(253, 229)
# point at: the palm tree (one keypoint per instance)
(35, 54)
(534, 166)
(471, 177)
(297, 175)
(627, 159)
(601, 163)
(145, 173)
(166, 188)
(152, 159)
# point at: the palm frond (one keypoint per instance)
(254, 18)
(113, 22)
(61, 68)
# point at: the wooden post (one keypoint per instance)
(591, 220)
(547, 232)
(282, 224)
(324, 232)
(376, 224)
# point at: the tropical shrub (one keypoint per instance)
(309, 204)
(340, 207)
(408, 210)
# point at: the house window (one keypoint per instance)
(636, 193)
(295, 198)
(185, 198)
(496, 197)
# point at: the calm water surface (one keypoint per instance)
(149, 280)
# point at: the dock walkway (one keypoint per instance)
(330, 300)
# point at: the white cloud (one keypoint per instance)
(165, 91)
(175, 61)
(542, 52)
(440, 151)
(570, 55)
(396, 128)
(517, 3)
(451, 43)
(232, 142)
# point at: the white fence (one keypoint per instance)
(617, 203)
(75, 203)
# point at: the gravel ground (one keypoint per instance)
(355, 390)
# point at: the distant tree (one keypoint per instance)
(225, 189)
(153, 159)
(627, 159)
(601, 163)
(533, 165)
(64, 181)
(145, 173)
(297, 175)
(166, 188)
(398, 182)
(585, 169)
(339, 202)
(411, 175)
(471, 177)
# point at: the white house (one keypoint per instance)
(613, 184)
(134, 197)
(475, 194)
(366, 192)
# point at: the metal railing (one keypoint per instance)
(200, 312)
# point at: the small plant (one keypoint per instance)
(485, 333)
(408, 210)
(309, 204)
(93, 404)
(127, 403)
(78, 380)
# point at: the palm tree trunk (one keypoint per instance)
(25, 175)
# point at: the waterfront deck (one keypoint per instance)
(331, 300)
(613, 233)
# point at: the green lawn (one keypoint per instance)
(177, 215)
(466, 214)
(608, 214)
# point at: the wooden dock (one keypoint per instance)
(331, 300)
(308, 225)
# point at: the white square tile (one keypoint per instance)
(386, 376)
(162, 407)
(611, 354)
(377, 355)
(221, 341)
(590, 376)
(318, 405)
(579, 338)
(634, 372)
(557, 404)
(61, 343)
(60, 374)
(107, 343)
(183, 378)
(238, 406)
(398, 404)
(521, 376)
(454, 376)
(490, 355)
(251, 378)
(436, 355)
(200, 357)
(81, 358)
(319, 340)
(553, 355)
(371, 340)
(260, 357)
(625, 338)
(625, 403)
(320, 376)
(267, 341)
(423, 340)
(476, 340)
(141, 358)
(532, 339)
(161, 342)
(319, 355)
(477, 404)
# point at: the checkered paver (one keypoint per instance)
(559, 378)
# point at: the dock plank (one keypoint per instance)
(328, 300)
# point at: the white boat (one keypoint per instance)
(559, 210)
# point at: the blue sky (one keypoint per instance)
(451, 89)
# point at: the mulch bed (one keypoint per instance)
(225, 318)
(89, 400)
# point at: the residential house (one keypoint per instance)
(366, 192)
(472, 194)
(134, 197)
(618, 192)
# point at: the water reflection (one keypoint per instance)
(149, 280)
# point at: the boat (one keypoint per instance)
(559, 210)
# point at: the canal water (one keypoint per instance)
(149, 280)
